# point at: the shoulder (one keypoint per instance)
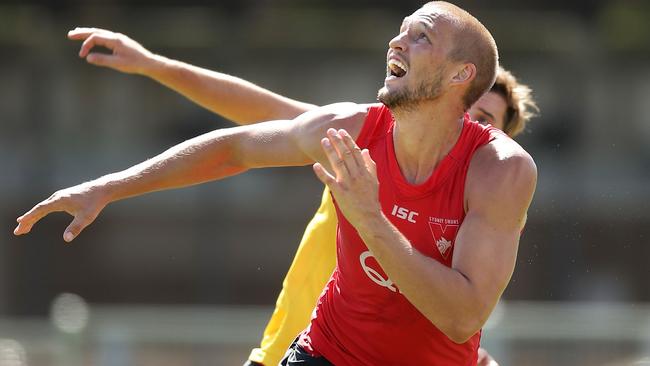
(348, 116)
(502, 155)
(502, 176)
(339, 110)
(310, 127)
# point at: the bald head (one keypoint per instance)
(471, 43)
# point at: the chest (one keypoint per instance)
(430, 214)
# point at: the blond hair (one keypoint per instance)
(521, 106)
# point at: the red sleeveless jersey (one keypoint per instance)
(362, 318)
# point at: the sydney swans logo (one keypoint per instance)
(444, 232)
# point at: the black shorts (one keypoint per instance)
(297, 356)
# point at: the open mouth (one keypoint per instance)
(396, 68)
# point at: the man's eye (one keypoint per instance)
(423, 36)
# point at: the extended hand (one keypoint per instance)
(83, 201)
(353, 180)
(128, 55)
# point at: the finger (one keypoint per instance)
(324, 176)
(77, 225)
(100, 59)
(81, 33)
(339, 146)
(336, 162)
(76, 35)
(370, 164)
(352, 153)
(27, 221)
(96, 39)
(343, 154)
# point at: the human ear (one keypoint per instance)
(466, 73)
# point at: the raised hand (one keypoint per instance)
(353, 180)
(84, 202)
(128, 55)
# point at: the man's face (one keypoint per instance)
(490, 109)
(417, 60)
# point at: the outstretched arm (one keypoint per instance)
(212, 156)
(233, 98)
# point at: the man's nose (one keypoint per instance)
(398, 42)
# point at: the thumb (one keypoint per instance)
(324, 175)
(100, 59)
(77, 225)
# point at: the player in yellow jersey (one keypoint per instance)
(508, 106)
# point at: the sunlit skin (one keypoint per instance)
(421, 46)
(420, 33)
(430, 84)
(490, 109)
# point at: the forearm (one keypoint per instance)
(442, 294)
(233, 98)
(204, 158)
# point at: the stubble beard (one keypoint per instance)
(405, 98)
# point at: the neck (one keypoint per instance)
(423, 136)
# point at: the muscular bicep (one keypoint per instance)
(295, 142)
(486, 256)
(499, 190)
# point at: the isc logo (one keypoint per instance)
(404, 213)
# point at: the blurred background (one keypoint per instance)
(190, 277)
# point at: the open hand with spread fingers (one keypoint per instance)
(353, 176)
(127, 55)
(84, 201)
